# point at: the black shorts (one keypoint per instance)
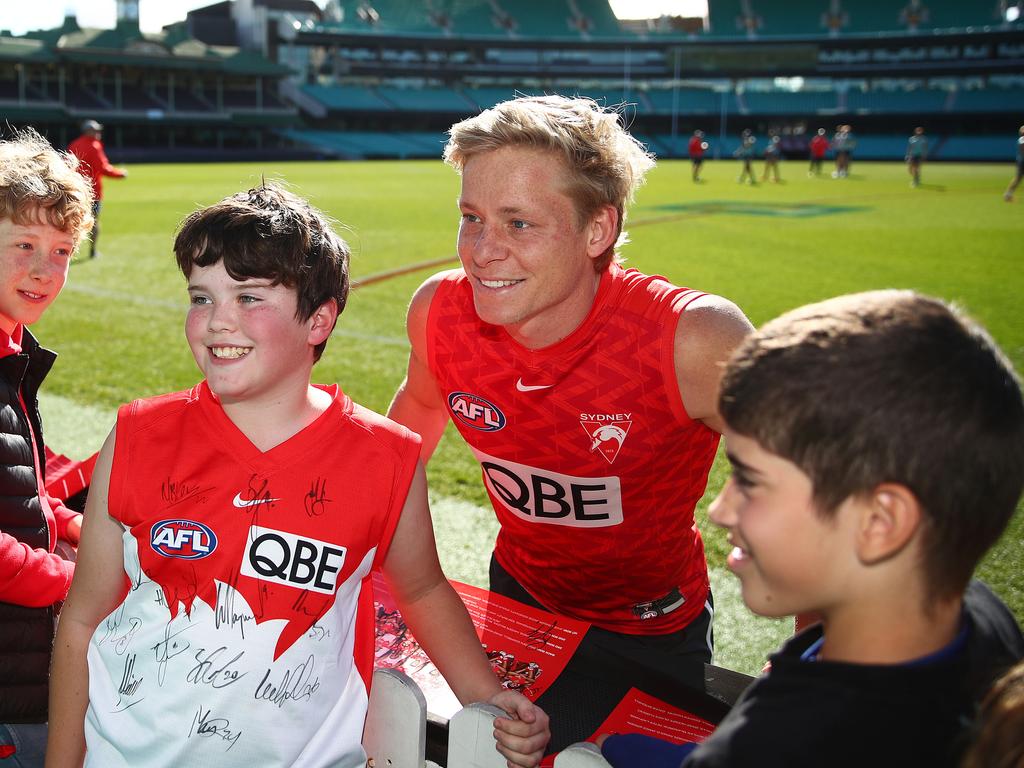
(607, 664)
(697, 161)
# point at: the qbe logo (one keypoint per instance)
(295, 561)
(542, 496)
(476, 412)
(184, 539)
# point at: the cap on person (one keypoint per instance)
(91, 125)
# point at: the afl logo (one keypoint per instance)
(475, 412)
(184, 539)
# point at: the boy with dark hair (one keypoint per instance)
(877, 444)
(223, 594)
(45, 210)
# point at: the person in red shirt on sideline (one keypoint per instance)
(698, 146)
(94, 165)
(819, 146)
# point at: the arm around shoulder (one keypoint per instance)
(95, 590)
(709, 329)
(418, 403)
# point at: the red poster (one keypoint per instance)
(641, 713)
(528, 648)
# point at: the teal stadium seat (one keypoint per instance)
(805, 17)
(347, 97)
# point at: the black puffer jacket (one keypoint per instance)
(26, 634)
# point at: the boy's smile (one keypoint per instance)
(245, 336)
(789, 558)
(34, 260)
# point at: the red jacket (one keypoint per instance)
(30, 574)
(819, 146)
(93, 162)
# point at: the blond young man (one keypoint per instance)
(587, 391)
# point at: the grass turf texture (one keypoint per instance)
(118, 326)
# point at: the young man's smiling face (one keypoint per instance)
(788, 558)
(34, 260)
(530, 263)
(245, 336)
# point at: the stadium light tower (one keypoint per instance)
(128, 11)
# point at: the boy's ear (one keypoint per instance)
(322, 322)
(889, 520)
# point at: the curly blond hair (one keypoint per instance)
(38, 184)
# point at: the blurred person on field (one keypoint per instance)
(917, 151)
(697, 147)
(94, 165)
(818, 147)
(772, 155)
(1008, 194)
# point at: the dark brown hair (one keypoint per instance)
(890, 386)
(998, 742)
(270, 233)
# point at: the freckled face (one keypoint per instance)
(245, 336)
(530, 264)
(788, 558)
(34, 262)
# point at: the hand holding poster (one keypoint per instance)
(527, 647)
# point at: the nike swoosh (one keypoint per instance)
(238, 501)
(531, 387)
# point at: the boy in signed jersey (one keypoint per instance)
(223, 595)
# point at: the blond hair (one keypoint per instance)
(39, 184)
(605, 164)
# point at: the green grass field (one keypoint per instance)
(118, 326)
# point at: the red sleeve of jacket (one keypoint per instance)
(103, 164)
(62, 515)
(32, 577)
(93, 159)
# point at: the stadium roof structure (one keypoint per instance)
(126, 45)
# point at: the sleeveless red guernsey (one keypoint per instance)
(245, 635)
(590, 460)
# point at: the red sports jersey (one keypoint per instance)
(696, 147)
(591, 462)
(819, 146)
(245, 636)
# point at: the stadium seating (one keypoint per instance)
(361, 145)
(425, 99)
(920, 101)
(808, 17)
(789, 103)
(688, 101)
(991, 99)
(347, 97)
